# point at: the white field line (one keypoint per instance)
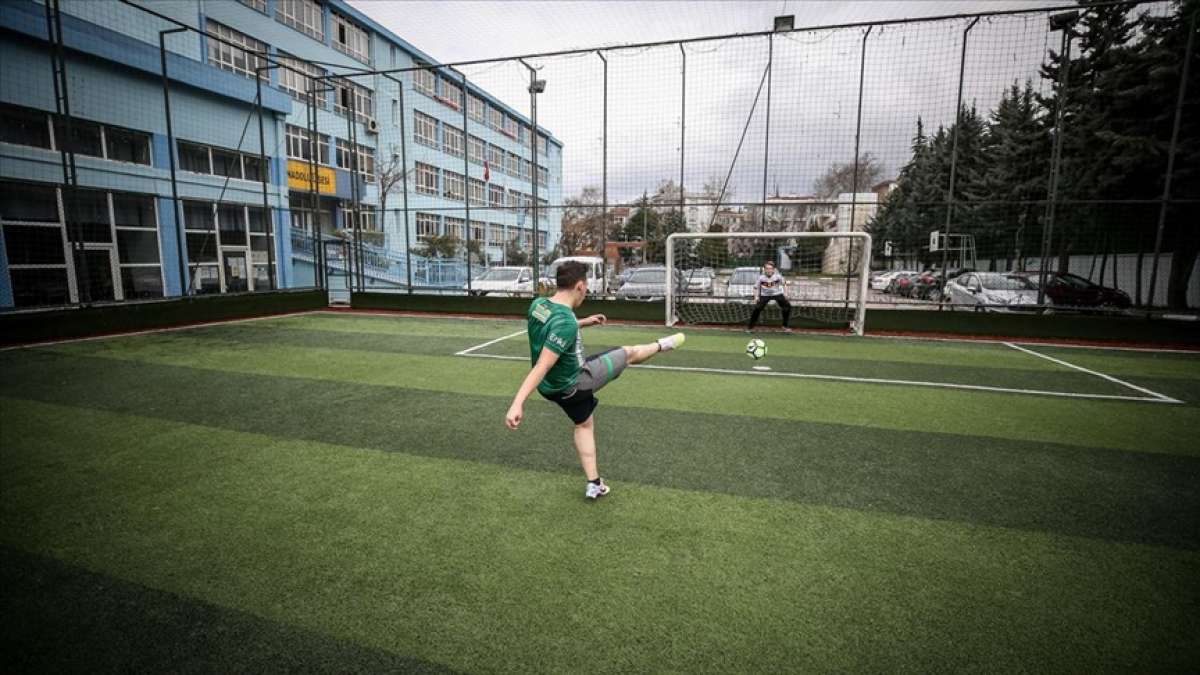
(468, 350)
(151, 331)
(1110, 378)
(871, 380)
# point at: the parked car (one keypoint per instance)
(504, 281)
(649, 283)
(699, 281)
(1072, 290)
(881, 280)
(741, 284)
(597, 284)
(927, 286)
(992, 291)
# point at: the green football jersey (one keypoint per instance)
(555, 327)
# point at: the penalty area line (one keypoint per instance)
(871, 380)
(1110, 378)
(468, 350)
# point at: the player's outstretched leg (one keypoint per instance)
(639, 353)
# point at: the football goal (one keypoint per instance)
(712, 276)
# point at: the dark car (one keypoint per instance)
(1071, 290)
(901, 285)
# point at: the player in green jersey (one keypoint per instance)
(563, 375)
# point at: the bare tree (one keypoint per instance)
(839, 177)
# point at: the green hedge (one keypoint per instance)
(36, 326)
(1053, 326)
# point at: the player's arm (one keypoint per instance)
(593, 320)
(545, 362)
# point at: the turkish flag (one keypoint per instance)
(487, 175)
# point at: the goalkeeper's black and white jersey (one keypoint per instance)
(770, 286)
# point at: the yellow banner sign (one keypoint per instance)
(300, 177)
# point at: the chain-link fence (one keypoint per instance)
(983, 169)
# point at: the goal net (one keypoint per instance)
(711, 276)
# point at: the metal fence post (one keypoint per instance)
(404, 188)
(862, 70)
(180, 236)
(269, 221)
(962, 66)
(682, 133)
(467, 176)
(762, 210)
(605, 218)
(1065, 23)
(1166, 195)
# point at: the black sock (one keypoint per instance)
(597, 481)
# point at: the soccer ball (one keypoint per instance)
(756, 349)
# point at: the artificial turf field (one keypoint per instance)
(338, 492)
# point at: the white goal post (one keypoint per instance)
(826, 275)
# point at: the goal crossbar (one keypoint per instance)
(857, 270)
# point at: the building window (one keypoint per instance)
(123, 145)
(425, 81)
(121, 228)
(24, 126)
(351, 40)
(303, 15)
(393, 51)
(86, 137)
(514, 198)
(513, 164)
(227, 247)
(298, 146)
(452, 186)
(425, 129)
(509, 127)
(478, 192)
(452, 140)
(526, 166)
(456, 227)
(476, 149)
(477, 231)
(260, 5)
(366, 159)
(523, 134)
(495, 195)
(367, 221)
(476, 108)
(495, 118)
(198, 158)
(298, 84)
(348, 93)
(495, 234)
(496, 158)
(427, 179)
(243, 61)
(543, 175)
(427, 225)
(451, 95)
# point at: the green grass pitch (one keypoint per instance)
(337, 492)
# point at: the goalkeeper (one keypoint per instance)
(770, 286)
(561, 373)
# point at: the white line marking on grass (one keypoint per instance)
(468, 350)
(1110, 378)
(871, 380)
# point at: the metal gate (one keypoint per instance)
(337, 271)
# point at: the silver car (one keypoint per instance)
(648, 283)
(699, 281)
(741, 284)
(992, 291)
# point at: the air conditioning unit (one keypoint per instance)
(372, 126)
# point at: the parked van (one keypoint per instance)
(595, 275)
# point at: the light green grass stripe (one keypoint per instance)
(485, 568)
(1169, 365)
(982, 355)
(1088, 423)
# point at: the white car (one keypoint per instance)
(504, 281)
(992, 291)
(741, 284)
(880, 280)
(595, 272)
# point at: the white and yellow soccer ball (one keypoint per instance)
(756, 349)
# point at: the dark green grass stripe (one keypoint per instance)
(62, 618)
(1129, 496)
(1034, 378)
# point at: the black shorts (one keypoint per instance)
(579, 401)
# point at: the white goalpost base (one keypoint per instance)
(710, 275)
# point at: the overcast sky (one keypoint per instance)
(910, 70)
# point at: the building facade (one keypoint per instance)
(129, 239)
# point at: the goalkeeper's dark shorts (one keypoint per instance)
(579, 401)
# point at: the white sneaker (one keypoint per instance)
(670, 342)
(596, 490)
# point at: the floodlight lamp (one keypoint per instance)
(785, 23)
(1063, 20)
(537, 87)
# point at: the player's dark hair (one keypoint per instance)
(772, 264)
(570, 273)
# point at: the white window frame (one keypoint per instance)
(426, 179)
(358, 40)
(477, 192)
(294, 83)
(451, 95)
(425, 129)
(306, 16)
(493, 191)
(364, 100)
(453, 186)
(452, 140)
(476, 108)
(225, 57)
(425, 80)
(297, 138)
(430, 222)
(455, 227)
(476, 149)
